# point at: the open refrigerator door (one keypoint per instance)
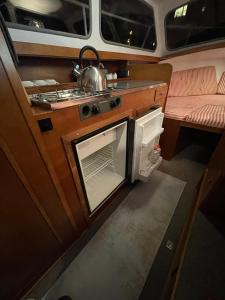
(146, 153)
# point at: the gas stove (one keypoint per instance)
(46, 99)
(100, 102)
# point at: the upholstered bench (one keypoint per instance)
(195, 99)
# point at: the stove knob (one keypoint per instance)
(113, 104)
(95, 109)
(85, 110)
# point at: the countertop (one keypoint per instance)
(133, 84)
(116, 89)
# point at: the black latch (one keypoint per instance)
(45, 124)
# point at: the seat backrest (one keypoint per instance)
(193, 82)
(221, 85)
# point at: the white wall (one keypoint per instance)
(94, 40)
(214, 57)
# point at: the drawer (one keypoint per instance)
(160, 94)
(160, 101)
(139, 101)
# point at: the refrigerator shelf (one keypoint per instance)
(148, 141)
(98, 187)
(145, 174)
(97, 161)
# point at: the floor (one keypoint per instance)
(203, 272)
(116, 262)
(187, 165)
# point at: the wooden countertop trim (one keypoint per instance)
(193, 50)
(41, 50)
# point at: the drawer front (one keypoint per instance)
(160, 101)
(160, 95)
(143, 100)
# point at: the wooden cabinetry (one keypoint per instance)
(41, 199)
(160, 95)
(36, 221)
(28, 244)
(67, 126)
(215, 176)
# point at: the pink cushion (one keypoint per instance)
(208, 115)
(221, 85)
(180, 107)
(193, 82)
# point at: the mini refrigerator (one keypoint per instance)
(101, 161)
(108, 157)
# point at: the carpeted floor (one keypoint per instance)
(203, 272)
(115, 263)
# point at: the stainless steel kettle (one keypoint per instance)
(90, 79)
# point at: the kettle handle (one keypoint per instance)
(85, 48)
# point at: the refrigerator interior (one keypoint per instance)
(102, 161)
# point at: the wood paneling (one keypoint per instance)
(193, 50)
(66, 123)
(168, 140)
(160, 95)
(161, 72)
(28, 245)
(37, 222)
(41, 50)
(141, 101)
(17, 136)
(19, 101)
(34, 68)
(216, 171)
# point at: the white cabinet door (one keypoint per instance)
(146, 135)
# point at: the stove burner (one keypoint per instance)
(63, 95)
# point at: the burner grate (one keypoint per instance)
(63, 95)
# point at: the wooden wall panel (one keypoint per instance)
(45, 68)
(168, 139)
(28, 245)
(17, 136)
(41, 50)
(37, 222)
(34, 68)
(215, 174)
(160, 72)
